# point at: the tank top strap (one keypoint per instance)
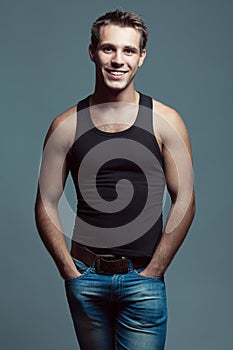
(145, 113)
(82, 112)
(83, 104)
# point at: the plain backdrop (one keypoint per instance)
(45, 69)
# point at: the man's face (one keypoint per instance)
(117, 56)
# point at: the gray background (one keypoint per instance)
(45, 69)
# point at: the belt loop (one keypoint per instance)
(93, 265)
(130, 265)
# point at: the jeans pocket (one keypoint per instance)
(153, 278)
(82, 269)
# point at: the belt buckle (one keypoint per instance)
(103, 266)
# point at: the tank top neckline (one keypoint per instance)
(115, 133)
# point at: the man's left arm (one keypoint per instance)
(178, 169)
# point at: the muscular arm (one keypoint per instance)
(178, 169)
(53, 174)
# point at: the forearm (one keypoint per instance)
(49, 228)
(170, 242)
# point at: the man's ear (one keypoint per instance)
(142, 57)
(91, 51)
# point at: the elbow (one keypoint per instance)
(193, 210)
(37, 205)
(193, 207)
(37, 212)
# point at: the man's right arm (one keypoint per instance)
(53, 175)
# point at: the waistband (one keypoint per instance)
(108, 263)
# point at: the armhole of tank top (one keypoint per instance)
(70, 153)
(153, 131)
(79, 106)
(148, 102)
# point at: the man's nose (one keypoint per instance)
(117, 59)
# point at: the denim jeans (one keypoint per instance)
(117, 312)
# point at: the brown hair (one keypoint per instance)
(122, 19)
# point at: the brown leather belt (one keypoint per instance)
(108, 263)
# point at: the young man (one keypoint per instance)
(121, 148)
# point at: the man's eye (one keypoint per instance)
(129, 51)
(107, 49)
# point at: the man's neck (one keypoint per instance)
(127, 96)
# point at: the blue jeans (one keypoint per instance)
(117, 312)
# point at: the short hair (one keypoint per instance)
(122, 19)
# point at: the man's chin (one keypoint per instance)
(116, 86)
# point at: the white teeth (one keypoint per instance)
(116, 73)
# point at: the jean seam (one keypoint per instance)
(153, 278)
(85, 272)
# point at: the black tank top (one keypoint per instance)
(99, 161)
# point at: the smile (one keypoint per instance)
(116, 73)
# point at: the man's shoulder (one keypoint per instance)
(61, 119)
(164, 110)
(63, 126)
(167, 121)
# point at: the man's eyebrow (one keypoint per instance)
(106, 44)
(131, 47)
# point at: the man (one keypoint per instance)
(121, 147)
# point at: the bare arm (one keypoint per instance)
(53, 175)
(178, 169)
